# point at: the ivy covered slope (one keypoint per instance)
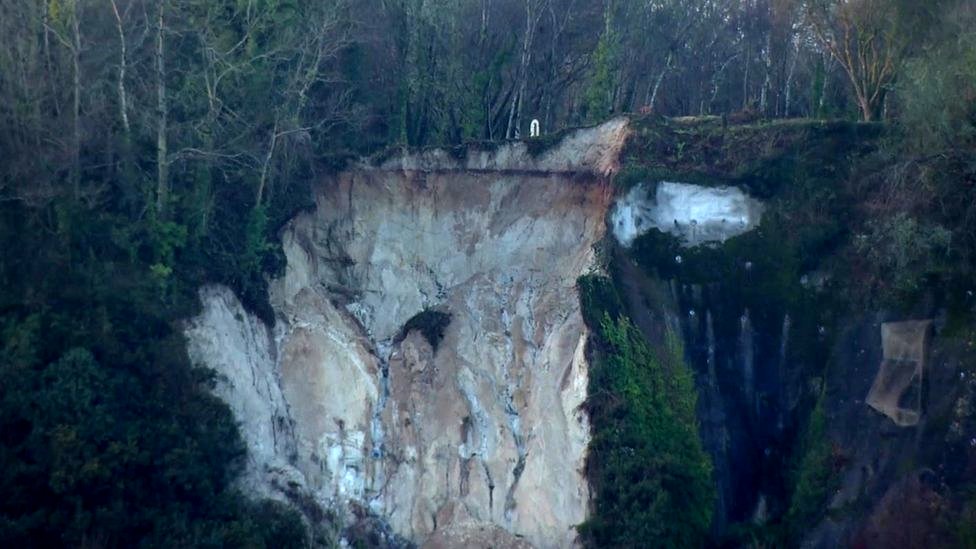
(651, 477)
(791, 165)
(896, 216)
(857, 228)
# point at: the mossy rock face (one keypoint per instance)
(759, 157)
(634, 174)
(770, 278)
(797, 168)
(645, 446)
(807, 270)
(758, 276)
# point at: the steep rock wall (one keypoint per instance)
(784, 327)
(446, 439)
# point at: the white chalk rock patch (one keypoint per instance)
(459, 446)
(240, 349)
(693, 213)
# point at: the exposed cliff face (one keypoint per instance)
(478, 434)
(427, 363)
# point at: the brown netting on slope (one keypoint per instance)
(897, 389)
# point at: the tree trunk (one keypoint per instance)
(867, 108)
(788, 91)
(767, 75)
(46, 21)
(660, 79)
(76, 103)
(485, 57)
(515, 114)
(265, 167)
(827, 63)
(553, 43)
(123, 110)
(511, 129)
(716, 81)
(745, 82)
(162, 112)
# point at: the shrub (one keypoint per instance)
(903, 251)
(938, 89)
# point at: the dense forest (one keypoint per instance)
(149, 146)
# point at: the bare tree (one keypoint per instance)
(326, 37)
(123, 109)
(860, 35)
(162, 115)
(68, 33)
(767, 58)
(717, 77)
(533, 12)
(76, 99)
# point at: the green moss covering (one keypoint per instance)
(814, 474)
(788, 266)
(760, 157)
(646, 464)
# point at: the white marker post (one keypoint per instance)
(534, 128)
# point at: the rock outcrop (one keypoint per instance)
(468, 429)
